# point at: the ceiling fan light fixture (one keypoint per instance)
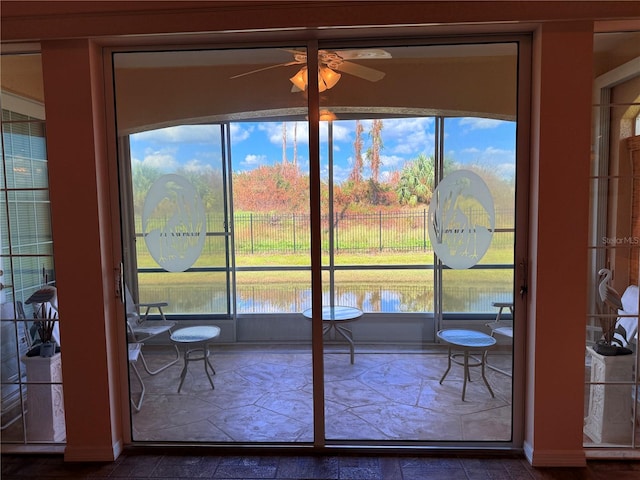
(300, 79)
(327, 116)
(327, 77)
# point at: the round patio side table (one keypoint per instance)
(465, 342)
(334, 317)
(195, 341)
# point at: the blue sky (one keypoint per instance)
(480, 141)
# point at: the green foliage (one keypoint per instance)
(271, 188)
(208, 184)
(143, 177)
(417, 180)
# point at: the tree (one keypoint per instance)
(373, 152)
(356, 172)
(269, 188)
(142, 177)
(416, 182)
(209, 185)
(295, 143)
(284, 142)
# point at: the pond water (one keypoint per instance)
(295, 298)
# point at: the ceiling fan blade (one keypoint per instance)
(266, 68)
(295, 52)
(360, 71)
(363, 54)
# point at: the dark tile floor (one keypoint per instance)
(373, 371)
(216, 466)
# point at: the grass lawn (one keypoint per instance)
(396, 277)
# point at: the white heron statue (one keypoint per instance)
(612, 299)
(608, 294)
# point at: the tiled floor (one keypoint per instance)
(215, 466)
(266, 396)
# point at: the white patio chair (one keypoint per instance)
(502, 327)
(140, 328)
(135, 349)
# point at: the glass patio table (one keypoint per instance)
(334, 317)
(195, 341)
(467, 341)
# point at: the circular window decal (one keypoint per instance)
(174, 223)
(461, 219)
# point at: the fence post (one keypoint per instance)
(251, 231)
(332, 222)
(293, 218)
(380, 229)
(424, 229)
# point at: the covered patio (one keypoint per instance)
(264, 395)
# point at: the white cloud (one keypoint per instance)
(500, 160)
(340, 174)
(197, 166)
(254, 160)
(408, 136)
(340, 133)
(164, 161)
(238, 133)
(480, 123)
(399, 136)
(497, 151)
(274, 131)
(392, 161)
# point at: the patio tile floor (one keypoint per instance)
(266, 396)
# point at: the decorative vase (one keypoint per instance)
(610, 415)
(47, 349)
(45, 402)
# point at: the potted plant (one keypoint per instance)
(45, 317)
(45, 401)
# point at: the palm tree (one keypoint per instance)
(417, 181)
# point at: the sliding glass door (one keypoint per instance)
(330, 226)
(399, 122)
(215, 214)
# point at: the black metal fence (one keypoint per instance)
(360, 232)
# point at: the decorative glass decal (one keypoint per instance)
(461, 219)
(174, 223)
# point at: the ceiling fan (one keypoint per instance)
(330, 62)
